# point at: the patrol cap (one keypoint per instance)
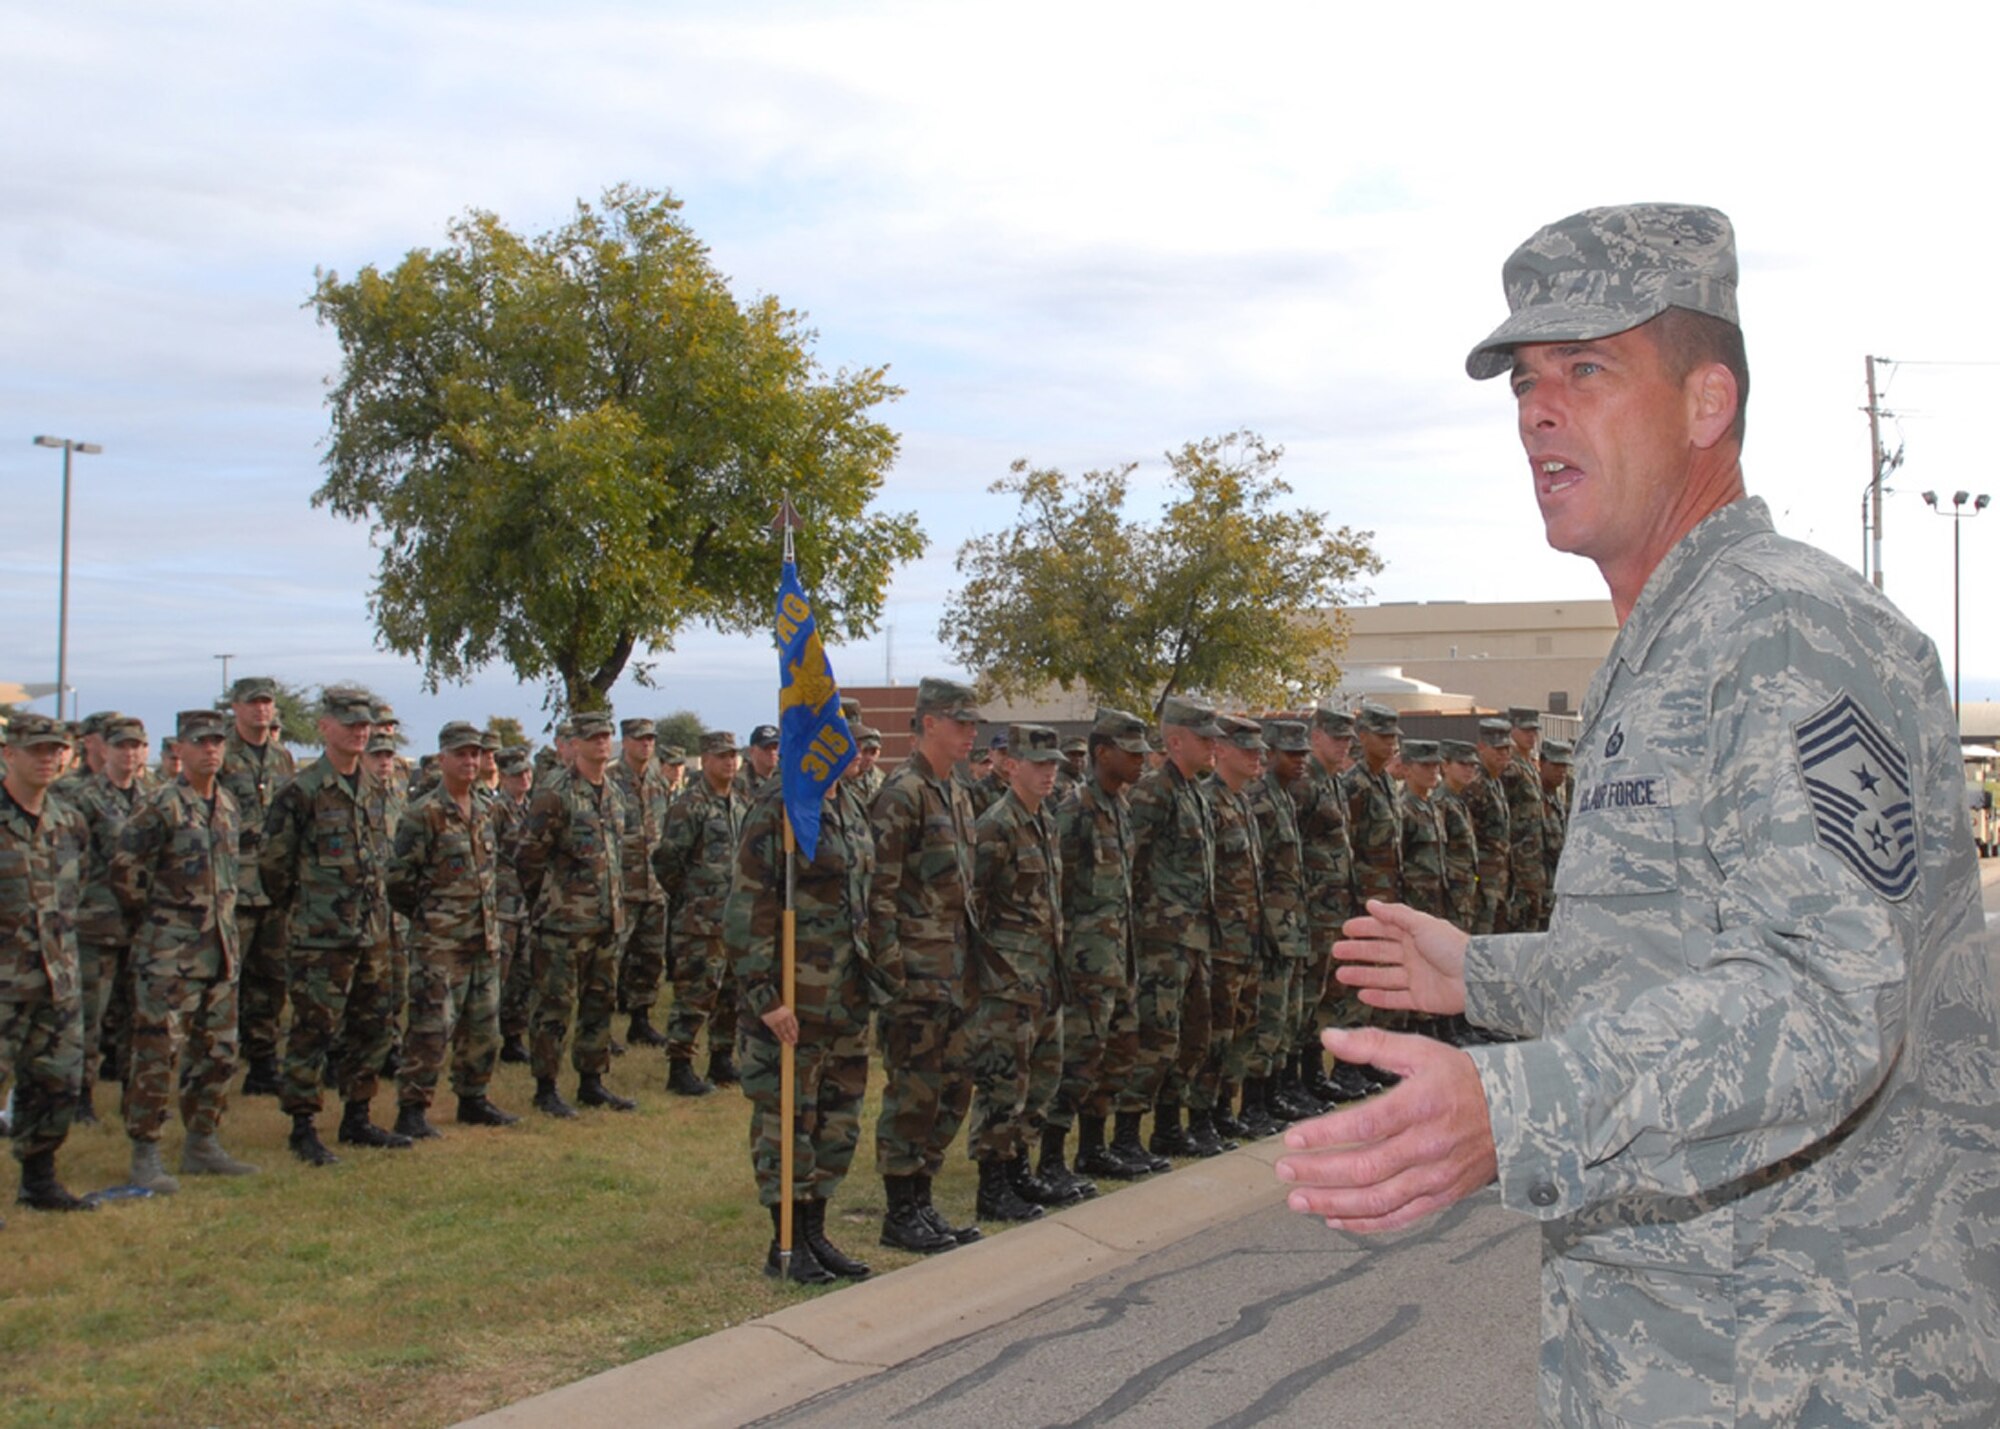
(1521, 717)
(546, 757)
(1287, 736)
(343, 704)
(1605, 270)
(637, 729)
(1034, 743)
(590, 724)
(850, 708)
(456, 735)
(1495, 732)
(948, 698)
(1126, 731)
(196, 724)
(514, 759)
(1076, 744)
(94, 722)
(1457, 751)
(1336, 722)
(1377, 719)
(1241, 732)
(385, 713)
(490, 739)
(979, 757)
(1422, 751)
(1557, 751)
(381, 744)
(717, 741)
(253, 687)
(1192, 715)
(127, 729)
(867, 736)
(764, 736)
(25, 731)
(673, 754)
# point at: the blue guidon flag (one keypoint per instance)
(814, 742)
(1859, 785)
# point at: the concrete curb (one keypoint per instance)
(784, 1358)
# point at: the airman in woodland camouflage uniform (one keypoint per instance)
(444, 877)
(694, 862)
(990, 787)
(1329, 861)
(1209, 1077)
(1173, 890)
(760, 764)
(826, 1022)
(106, 800)
(1424, 884)
(1553, 767)
(643, 960)
(1374, 808)
(1487, 801)
(865, 771)
(175, 875)
(42, 842)
(517, 977)
(255, 766)
(326, 844)
(1461, 839)
(569, 861)
(919, 928)
(385, 790)
(1527, 864)
(1269, 1096)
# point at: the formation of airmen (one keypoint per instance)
(1037, 938)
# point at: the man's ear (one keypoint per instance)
(1712, 395)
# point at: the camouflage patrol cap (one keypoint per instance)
(1496, 732)
(25, 731)
(1607, 270)
(1034, 744)
(1241, 732)
(1127, 731)
(514, 759)
(1076, 744)
(673, 754)
(1377, 719)
(1521, 717)
(456, 735)
(1422, 751)
(343, 704)
(637, 729)
(979, 757)
(94, 722)
(717, 741)
(126, 729)
(384, 713)
(1557, 751)
(1287, 736)
(949, 698)
(1336, 722)
(381, 744)
(867, 736)
(566, 729)
(590, 724)
(253, 687)
(546, 758)
(1192, 715)
(850, 708)
(490, 739)
(1457, 751)
(197, 724)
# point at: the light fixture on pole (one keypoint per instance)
(62, 608)
(1958, 513)
(225, 659)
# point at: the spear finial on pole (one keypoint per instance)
(786, 521)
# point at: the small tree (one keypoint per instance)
(684, 728)
(508, 728)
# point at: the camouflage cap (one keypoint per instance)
(490, 739)
(1521, 717)
(1127, 731)
(381, 744)
(127, 729)
(850, 708)
(717, 741)
(1191, 715)
(546, 758)
(867, 736)
(1557, 751)
(1422, 751)
(672, 754)
(1459, 751)
(1241, 732)
(1377, 719)
(590, 724)
(385, 713)
(1287, 736)
(948, 698)
(637, 729)
(1496, 731)
(457, 735)
(1606, 270)
(1076, 744)
(199, 724)
(1336, 722)
(514, 759)
(24, 731)
(344, 704)
(253, 687)
(979, 757)
(566, 729)
(1034, 744)
(94, 722)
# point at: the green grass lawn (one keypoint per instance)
(401, 1287)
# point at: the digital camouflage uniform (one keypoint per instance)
(695, 862)
(571, 872)
(102, 934)
(175, 876)
(642, 963)
(444, 878)
(253, 774)
(41, 1012)
(1100, 1026)
(1173, 886)
(830, 990)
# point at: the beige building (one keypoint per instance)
(1490, 654)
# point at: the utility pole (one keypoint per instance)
(1875, 467)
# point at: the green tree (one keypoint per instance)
(1230, 593)
(684, 727)
(298, 713)
(569, 447)
(508, 728)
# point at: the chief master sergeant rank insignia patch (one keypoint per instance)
(1859, 785)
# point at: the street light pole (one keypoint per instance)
(1958, 516)
(225, 659)
(62, 607)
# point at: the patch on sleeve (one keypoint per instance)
(1859, 785)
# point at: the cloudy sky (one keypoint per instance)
(1076, 233)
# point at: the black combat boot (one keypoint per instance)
(1032, 1188)
(722, 1068)
(904, 1225)
(261, 1079)
(998, 1200)
(642, 1032)
(591, 1091)
(548, 1101)
(1055, 1173)
(514, 1050)
(805, 1268)
(1256, 1113)
(964, 1235)
(1126, 1145)
(357, 1130)
(1203, 1139)
(682, 1081)
(1169, 1137)
(1286, 1103)
(305, 1142)
(1094, 1158)
(411, 1122)
(478, 1111)
(1225, 1121)
(41, 1191)
(825, 1251)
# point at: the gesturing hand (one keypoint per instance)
(1403, 959)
